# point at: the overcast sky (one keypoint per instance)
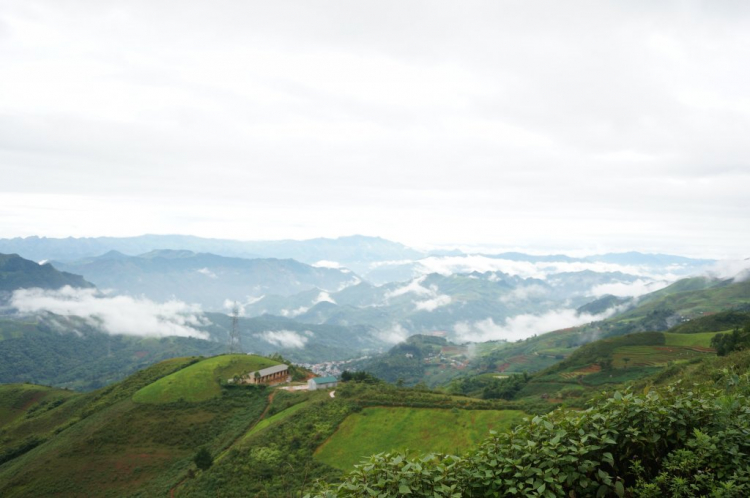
(539, 125)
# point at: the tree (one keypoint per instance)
(203, 459)
(626, 361)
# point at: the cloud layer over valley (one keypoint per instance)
(524, 326)
(115, 314)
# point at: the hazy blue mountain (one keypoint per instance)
(300, 342)
(532, 258)
(638, 258)
(19, 273)
(632, 262)
(354, 251)
(624, 258)
(205, 279)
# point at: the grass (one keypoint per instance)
(17, 399)
(701, 339)
(200, 381)
(379, 429)
(129, 449)
(651, 356)
(279, 417)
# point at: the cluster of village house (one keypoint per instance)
(279, 374)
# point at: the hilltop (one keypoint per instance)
(19, 273)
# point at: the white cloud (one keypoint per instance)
(393, 335)
(284, 338)
(523, 326)
(738, 269)
(599, 99)
(524, 293)
(629, 289)
(448, 265)
(207, 272)
(324, 297)
(295, 312)
(414, 287)
(433, 304)
(434, 301)
(117, 314)
(327, 264)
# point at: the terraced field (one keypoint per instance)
(701, 339)
(652, 356)
(379, 429)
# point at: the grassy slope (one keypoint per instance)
(379, 429)
(200, 382)
(274, 419)
(702, 339)
(694, 303)
(702, 302)
(24, 400)
(104, 444)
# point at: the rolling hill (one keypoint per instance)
(205, 279)
(686, 302)
(19, 273)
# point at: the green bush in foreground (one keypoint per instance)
(673, 442)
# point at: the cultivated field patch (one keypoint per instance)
(652, 356)
(379, 429)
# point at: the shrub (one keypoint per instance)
(665, 442)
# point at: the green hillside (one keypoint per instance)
(201, 381)
(104, 444)
(714, 306)
(669, 441)
(69, 352)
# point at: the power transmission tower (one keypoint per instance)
(234, 335)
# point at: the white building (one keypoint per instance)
(322, 383)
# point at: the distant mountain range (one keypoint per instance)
(353, 252)
(373, 258)
(436, 303)
(205, 279)
(19, 273)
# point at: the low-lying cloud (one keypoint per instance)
(413, 287)
(207, 272)
(433, 304)
(393, 335)
(434, 299)
(449, 265)
(736, 269)
(526, 293)
(629, 289)
(284, 338)
(323, 297)
(116, 314)
(524, 326)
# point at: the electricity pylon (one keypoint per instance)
(234, 334)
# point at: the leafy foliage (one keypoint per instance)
(737, 340)
(203, 459)
(624, 442)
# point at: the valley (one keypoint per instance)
(438, 364)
